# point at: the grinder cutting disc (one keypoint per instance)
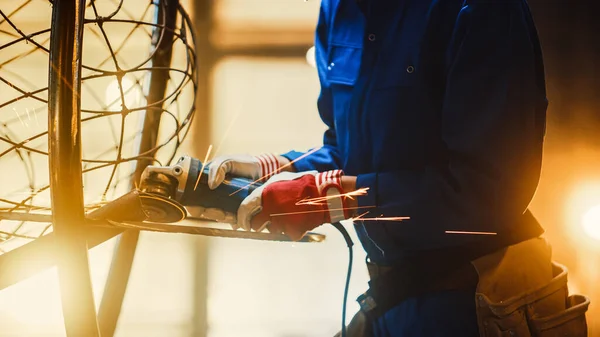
(161, 209)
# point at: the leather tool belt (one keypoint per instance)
(389, 286)
(518, 291)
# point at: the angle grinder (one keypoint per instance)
(165, 190)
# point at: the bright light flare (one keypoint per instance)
(591, 222)
(583, 212)
(323, 200)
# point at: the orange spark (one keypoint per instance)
(37, 122)
(360, 216)
(395, 218)
(203, 166)
(323, 200)
(226, 133)
(471, 233)
(319, 211)
(392, 218)
(278, 170)
(205, 162)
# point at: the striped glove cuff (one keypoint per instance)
(269, 165)
(329, 184)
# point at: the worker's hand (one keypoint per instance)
(260, 167)
(294, 203)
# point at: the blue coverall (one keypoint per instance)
(438, 107)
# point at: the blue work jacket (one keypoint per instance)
(438, 107)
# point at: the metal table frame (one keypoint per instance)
(67, 247)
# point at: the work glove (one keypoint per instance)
(213, 214)
(245, 166)
(253, 167)
(294, 203)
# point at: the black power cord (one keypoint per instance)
(349, 243)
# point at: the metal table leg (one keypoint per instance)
(65, 168)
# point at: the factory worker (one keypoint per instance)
(435, 111)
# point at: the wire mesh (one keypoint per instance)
(117, 69)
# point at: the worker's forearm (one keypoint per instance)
(286, 165)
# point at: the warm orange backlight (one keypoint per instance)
(591, 222)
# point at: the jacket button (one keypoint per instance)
(371, 37)
(410, 69)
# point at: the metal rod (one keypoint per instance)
(207, 230)
(124, 253)
(66, 187)
(203, 13)
(22, 216)
(25, 261)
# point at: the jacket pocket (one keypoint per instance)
(344, 64)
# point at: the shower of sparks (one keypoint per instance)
(37, 122)
(320, 211)
(278, 170)
(19, 117)
(323, 200)
(203, 166)
(28, 115)
(470, 233)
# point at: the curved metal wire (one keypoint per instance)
(116, 59)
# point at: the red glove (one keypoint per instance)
(294, 207)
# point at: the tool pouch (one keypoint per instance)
(570, 322)
(547, 311)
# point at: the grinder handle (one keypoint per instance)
(228, 196)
